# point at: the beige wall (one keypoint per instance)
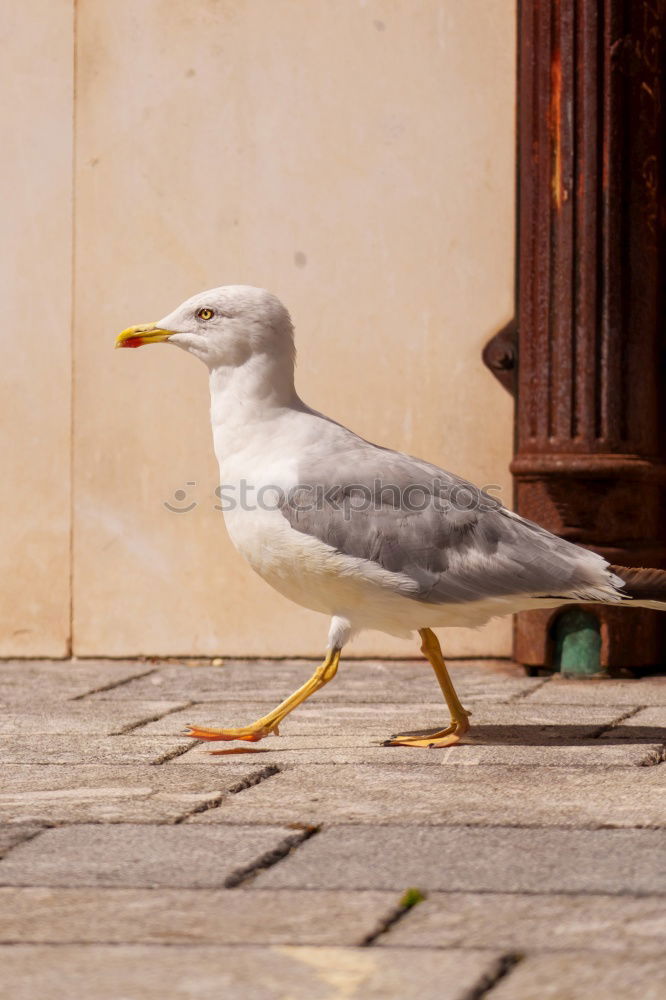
(354, 157)
(35, 291)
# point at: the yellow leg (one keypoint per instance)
(269, 724)
(432, 650)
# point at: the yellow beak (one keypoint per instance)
(137, 336)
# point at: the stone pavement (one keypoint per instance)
(528, 863)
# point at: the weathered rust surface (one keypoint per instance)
(500, 356)
(590, 454)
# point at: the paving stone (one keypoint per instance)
(584, 976)
(84, 748)
(564, 691)
(191, 916)
(511, 723)
(23, 681)
(101, 718)
(521, 876)
(275, 973)
(111, 794)
(139, 856)
(648, 724)
(475, 859)
(342, 749)
(397, 793)
(518, 923)
(357, 681)
(12, 835)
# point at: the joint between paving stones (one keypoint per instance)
(169, 755)
(201, 807)
(132, 726)
(283, 850)
(112, 685)
(480, 825)
(23, 840)
(615, 722)
(254, 778)
(521, 695)
(503, 968)
(410, 899)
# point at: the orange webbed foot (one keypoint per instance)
(433, 740)
(249, 734)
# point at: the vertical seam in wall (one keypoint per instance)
(72, 308)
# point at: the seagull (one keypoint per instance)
(373, 538)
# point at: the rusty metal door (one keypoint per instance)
(590, 432)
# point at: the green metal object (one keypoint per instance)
(577, 644)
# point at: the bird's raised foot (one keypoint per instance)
(249, 734)
(433, 739)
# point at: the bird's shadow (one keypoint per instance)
(551, 736)
(554, 735)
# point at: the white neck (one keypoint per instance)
(246, 395)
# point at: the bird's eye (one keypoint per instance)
(205, 314)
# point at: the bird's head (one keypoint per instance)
(224, 327)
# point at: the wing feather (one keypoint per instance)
(456, 542)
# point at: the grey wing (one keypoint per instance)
(445, 540)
